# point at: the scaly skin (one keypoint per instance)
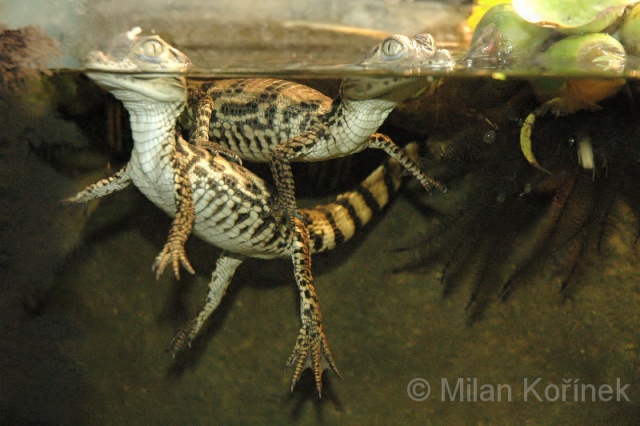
(221, 201)
(278, 121)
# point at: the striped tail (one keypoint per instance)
(334, 223)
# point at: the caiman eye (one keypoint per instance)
(392, 47)
(152, 48)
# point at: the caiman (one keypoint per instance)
(279, 121)
(227, 205)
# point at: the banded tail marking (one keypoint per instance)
(333, 223)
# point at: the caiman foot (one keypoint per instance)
(216, 149)
(283, 211)
(174, 254)
(311, 351)
(182, 339)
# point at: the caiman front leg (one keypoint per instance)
(173, 251)
(106, 186)
(201, 105)
(384, 142)
(311, 349)
(226, 266)
(280, 164)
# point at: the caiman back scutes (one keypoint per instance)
(250, 116)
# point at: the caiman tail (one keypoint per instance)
(336, 222)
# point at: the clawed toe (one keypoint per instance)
(217, 149)
(180, 340)
(175, 256)
(282, 212)
(311, 351)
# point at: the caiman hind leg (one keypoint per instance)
(311, 349)
(106, 186)
(384, 142)
(226, 266)
(202, 106)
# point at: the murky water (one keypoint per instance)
(84, 323)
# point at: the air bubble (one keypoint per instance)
(489, 136)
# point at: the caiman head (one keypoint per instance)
(396, 68)
(133, 65)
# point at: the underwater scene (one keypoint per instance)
(427, 227)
